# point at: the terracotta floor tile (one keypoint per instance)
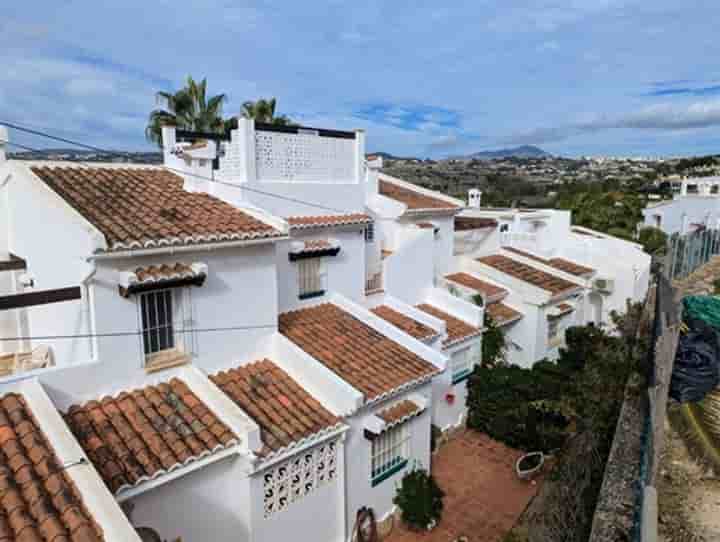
(483, 499)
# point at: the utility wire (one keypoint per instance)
(136, 333)
(18, 145)
(179, 171)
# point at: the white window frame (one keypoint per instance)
(389, 452)
(370, 232)
(462, 363)
(149, 304)
(312, 278)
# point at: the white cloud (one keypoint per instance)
(89, 87)
(662, 117)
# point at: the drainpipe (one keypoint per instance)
(88, 309)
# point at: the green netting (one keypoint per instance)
(703, 307)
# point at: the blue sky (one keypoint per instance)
(618, 77)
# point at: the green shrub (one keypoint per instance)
(420, 500)
(653, 240)
(494, 344)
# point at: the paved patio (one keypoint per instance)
(483, 498)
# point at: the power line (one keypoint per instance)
(136, 333)
(179, 171)
(18, 145)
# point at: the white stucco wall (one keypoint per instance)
(450, 400)
(238, 279)
(360, 491)
(212, 503)
(678, 214)
(404, 278)
(344, 273)
(319, 515)
(54, 240)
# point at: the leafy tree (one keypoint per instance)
(653, 240)
(263, 110)
(189, 108)
(494, 344)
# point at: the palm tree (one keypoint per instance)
(264, 111)
(188, 109)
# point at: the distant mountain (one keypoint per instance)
(78, 155)
(388, 156)
(525, 151)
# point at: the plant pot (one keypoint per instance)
(528, 465)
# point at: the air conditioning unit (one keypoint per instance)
(605, 286)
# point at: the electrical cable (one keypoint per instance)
(179, 171)
(136, 333)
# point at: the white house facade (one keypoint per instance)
(257, 334)
(696, 206)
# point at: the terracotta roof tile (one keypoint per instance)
(415, 201)
(399, 411)
(38, 500)
(474, 283)
(465, 223)
(142, 434)
(323, 221)
(501, 314)
(147, 207)
(558, 263)
(403, 322)
(365, 358)
(457, 330)
(285, 412)
(526, 273)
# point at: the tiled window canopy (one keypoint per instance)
(145, 279)
(300, 250)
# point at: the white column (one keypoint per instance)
(359, 154)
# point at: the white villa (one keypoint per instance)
(697, 206)
(254, 340)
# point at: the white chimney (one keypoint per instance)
(474, 197)
(4, 139)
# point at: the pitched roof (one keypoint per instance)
(415, 200)
(324, 221)
(402, 321)
(365, 358)
(562, 264)
(145, 433)
(147, 207)
(474, 283)
(457, 330)
(502, 314)
(38, 500)
(465, 223)
(526, 273)
(285, 412)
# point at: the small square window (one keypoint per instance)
(160, 320)
(462, 363)
(311, 278)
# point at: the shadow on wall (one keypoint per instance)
(198, 506)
